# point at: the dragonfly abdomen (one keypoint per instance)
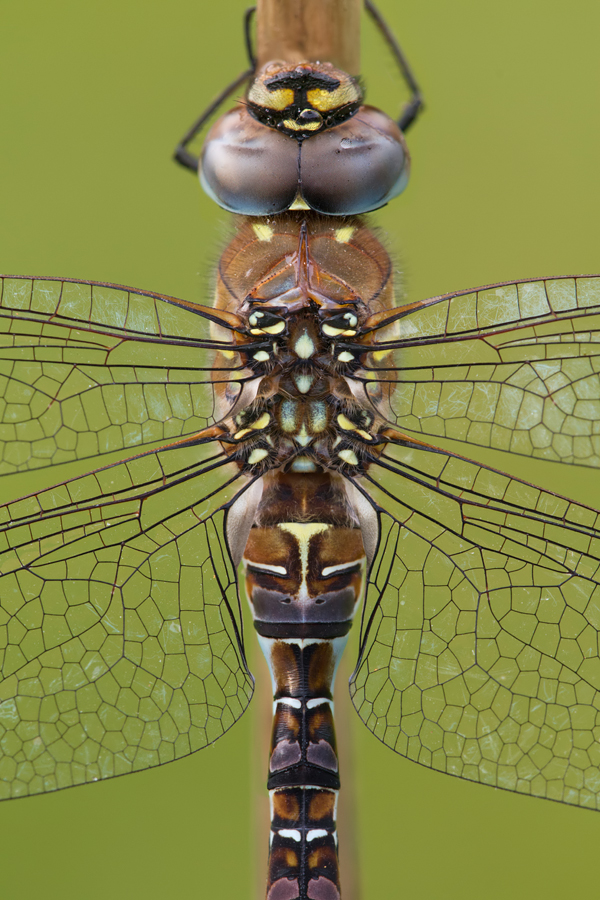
(305, 579)
(303, 778)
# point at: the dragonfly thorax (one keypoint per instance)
(304, 416)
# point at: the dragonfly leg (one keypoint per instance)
(182, 155)
(415, 104)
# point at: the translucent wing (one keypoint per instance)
(480, 642)
(511, 366)
(120, 630)
(89, 368)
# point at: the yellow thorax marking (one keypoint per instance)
(262, 421)
(345, 423)
(304, 346)
(318, 416)
(257, 456)
(263, 232)
(349, 456)
(343, 234)
(304, 382)
(259, 424)
(303, 532)
(218, 333)
(378, 355)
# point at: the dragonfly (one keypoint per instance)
(510, 366)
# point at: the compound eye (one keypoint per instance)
(248, 168)
(354, 167)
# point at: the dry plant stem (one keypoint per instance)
(296, 30)
(261, 733)
(347, 815)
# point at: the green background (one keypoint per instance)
(505, 185)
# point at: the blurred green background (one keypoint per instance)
(505, 185)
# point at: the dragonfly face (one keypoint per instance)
(303, 100)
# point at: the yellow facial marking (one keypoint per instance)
(293, 125)
(278, 100)
(343, 235)
(263, 232)
(324, 101)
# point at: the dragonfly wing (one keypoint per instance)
(88, 369)
(514, 367)
(480, 641)
(120, 623)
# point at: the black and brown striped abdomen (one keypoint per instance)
(304, 579)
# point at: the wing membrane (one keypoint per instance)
(88, 369)
(120, 628)
(480, 644)
(513, 366)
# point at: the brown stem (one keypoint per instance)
(261, 733)
(346, 819)
(297, 30)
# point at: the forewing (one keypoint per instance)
(479, 649)
(120, 623)
(88, 369)
(512, 366)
